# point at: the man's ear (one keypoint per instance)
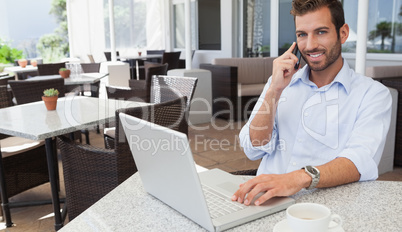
(344, 33)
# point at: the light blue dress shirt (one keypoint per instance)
(349, 117)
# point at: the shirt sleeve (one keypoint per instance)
(366, 143)
(257, 152)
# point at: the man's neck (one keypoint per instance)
(326, 76)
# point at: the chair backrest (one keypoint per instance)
(90, 67)
(142, 88)
(154, 69)
(50, 69)
(91, 58)
(155, 52)
(172, 58)
(4, 80)
(167, 88)
(30, 91)
(5, 100)
(170, 114)
(27, 75)
(122, 93)
(92, 172)
(108, 55)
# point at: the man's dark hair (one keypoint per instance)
(302, 7)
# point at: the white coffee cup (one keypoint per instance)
(311, 217)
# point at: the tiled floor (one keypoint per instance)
(213, 145)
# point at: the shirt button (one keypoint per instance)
(294, 163)
(306, 114)
(300, 140)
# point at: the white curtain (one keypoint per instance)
(87, 28)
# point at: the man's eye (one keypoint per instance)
(301, 35)
(322, 32)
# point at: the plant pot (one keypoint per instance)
(50, 102)
(65, 73)
(34, 63)
(22, 63)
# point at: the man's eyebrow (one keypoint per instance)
(322, 28)
(317, 29)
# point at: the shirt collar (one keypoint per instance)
(343, 77)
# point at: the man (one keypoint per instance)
(320, 126)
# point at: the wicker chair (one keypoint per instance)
(90, 67)
(27, 75)
(155, 52)
(164, 88)
(31, 91)
(91, 172)
(25, 168)
(92, 88)
(142, 88)
(172, 58)
(4, 80)
(108, 55)
(50, 69)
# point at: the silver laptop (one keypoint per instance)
(168, 172)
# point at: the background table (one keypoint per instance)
(16, 69)
(363, 206)
(83, 78)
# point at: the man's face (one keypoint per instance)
(317, 39)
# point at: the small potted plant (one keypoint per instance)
(22, 63)
(65, 73)
(34, 62)
(50, 97)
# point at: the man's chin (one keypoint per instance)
(316, 66)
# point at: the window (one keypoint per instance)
(132, 30)
(384, 26)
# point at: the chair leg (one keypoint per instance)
(86, 133)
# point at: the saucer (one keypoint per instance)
(282, 226)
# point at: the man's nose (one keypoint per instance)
(312, 43)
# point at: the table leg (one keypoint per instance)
(137, 69)
(4, 198)
(53, 183)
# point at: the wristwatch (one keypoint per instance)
(315, 175)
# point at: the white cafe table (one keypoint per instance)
(16, 69)
(33, 121)
(81, 79)
(363, 206)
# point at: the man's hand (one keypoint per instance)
(273, 185)
(263, 122)
(283, 69)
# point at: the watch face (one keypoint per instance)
(312, 170)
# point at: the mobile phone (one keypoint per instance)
(297, 53)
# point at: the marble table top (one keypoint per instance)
(363, 206)
(34, 121)
(83, 78)
(16, 69)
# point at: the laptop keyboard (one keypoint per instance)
(218, 204)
